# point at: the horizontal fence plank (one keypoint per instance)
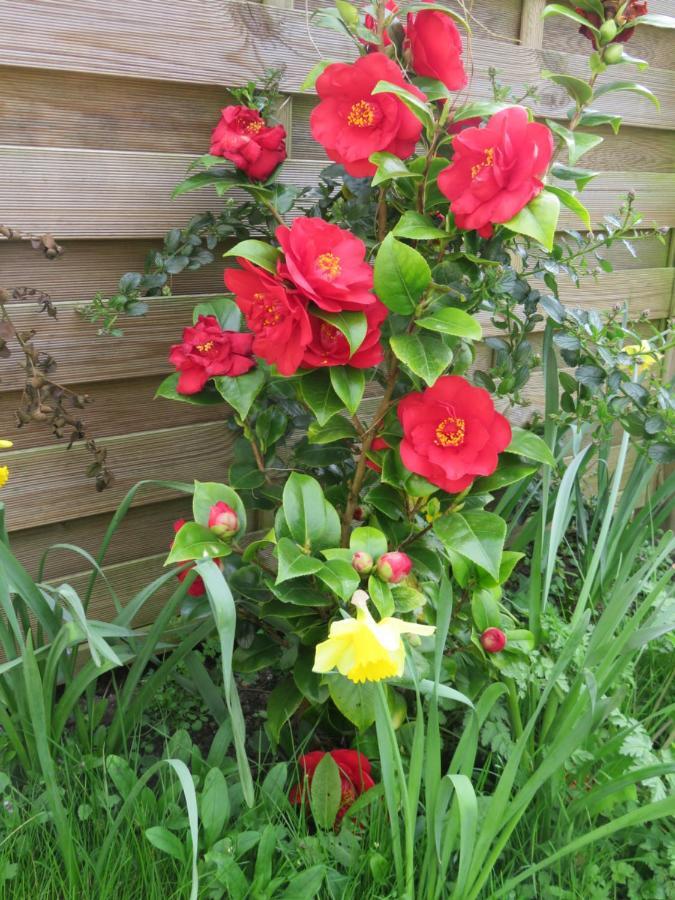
(89, 267)
(175, 454)
(123, 406)
(220, 42)
(145, 529)
(95, 193)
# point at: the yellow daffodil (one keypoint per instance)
(363, 649)
(648, 357)
(4, 471)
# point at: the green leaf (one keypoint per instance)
(166, 841)
(349, 384)
(569, 173)
(401, 275)
(591, 119)
(214, 805)
(453, 321)
(386, 499)
(304, 509)
(556, 9)
(368, 540)
(225, 310)
(578, 142)
(506, 473)
(416, 106)
(424, 355)
(531, 446)
(572, 203)
(348, 13)
(630, 86)
(336, 429)
(480, 109)
(168, 390)
(305, 885)
(317, 392)
(381, 595)
(538, 219)
(478, 536)
(281, 704)
(389, 168)
(356, 702)
(485, 610)
(293, 563)
(326, 792)
(314, 74)
(257, 252)
(221, 182)
(195, 541)
(353, 325)
(339, 575)
(241, 392)
(207, 494)
(416, 227)
(579, 90)
(655, 20)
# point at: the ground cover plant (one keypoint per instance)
(456, 628)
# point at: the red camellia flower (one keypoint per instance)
(275, 314)
(394, 566)
(370, 23)
(435, 46)
(352, 123)
(197, 588)
(633, 10)
(493, 640)
(329, 346)
(355, 777)
(496, 170)
(455, 127)
(243, 137)
(207, 351)
(451, 433)
(327, 263)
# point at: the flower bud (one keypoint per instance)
(393, 567)
(223, 520)
(612, 54)
(493, 640)
(608, 32)
(362, 562)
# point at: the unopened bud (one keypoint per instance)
(608, 32)
(223, 520)
(612, 54)
(393, 567)
(493, 640)
(362, 562)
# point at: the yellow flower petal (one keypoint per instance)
(5, 445)
(4, 475)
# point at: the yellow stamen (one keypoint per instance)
(488, 161)
(204, 348)
(450, 432)
(361, 115)
(329, 265)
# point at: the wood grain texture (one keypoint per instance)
(123, 406)
(88, 267)
(145, 529)
(220, 42)
(111, 194)
(531, 23)
(47, 485)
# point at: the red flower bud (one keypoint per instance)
(362, 562)
(223, 520)
(393, 567)
(493, 640)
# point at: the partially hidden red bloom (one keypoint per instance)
(493, 640)
(455, 127)
(355, 777)
(435, 46)
(452, 433)
(243, 137)
(352, 123)
(370, 22)
(633, 10)
(197, 588)
(329, 346)
(327, 263)
(496, 170)
(276, 314)
(207, 351)
(379, 443)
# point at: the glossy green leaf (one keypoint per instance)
(317, 392)
(581, 177)
(557, 9)
(580, 91)
(304, 508)
(314, 73)
(416, 106)
(257, 252)
(356, 702)
(195, 541)
(168, 389)
(538, 219)
(526, 443)
(207, 494)
(225, 310)
(416, 227)
(222, 183)
(293, 563)
(577, 142)
(336, 429)
(283, 701)
(389, 168)
(480, 109)
(655, 20)
(349, 385)
(339, 575)
(353, 325)
(572, 203)
(452, 321)
(381, 595)
(369, 540)
(326, 792)
(166, 841)
(592, 119)
(508, 472)
(401, 275)
(631, 87)
(478, 536)
(241, 392)
(425, 355)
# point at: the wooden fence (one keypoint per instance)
(103, 106)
